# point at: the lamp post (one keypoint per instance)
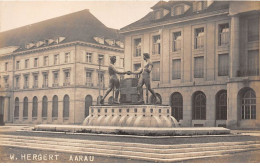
(99, 77)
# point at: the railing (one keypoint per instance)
(252, 72)
(66, 83)
(55, 85)
(35, 86)
(44, 85)
(89, 84)
(25, 87)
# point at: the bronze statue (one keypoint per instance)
(113, 80)
(145, 78)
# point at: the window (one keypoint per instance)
(199, 38)
(156, 71)
(89, 78)
(101, 59)
(55, 79)
(17, 65)
(25, 108)
(67, 57)
(176, 46)
(178, 10)
(137, 47)
(156, 44)
(17, 82)
(253, 29)
(101, 79)
(223, 65)
(26, 63)
(198, 67)
(67, 77)
(35, 62)
(45, 80)
(55, 107)
(35, 81)
(35, 108)
(177, 106)
(46, 61)
(137, 66)
(66, 106)
(26, 81)
(122, 62)
(223, 38)
(56, 59)
(44, 107)
(221, 105)
(16, 109)
(199, 106)
(6, 82)
(253, 63)
(88, 103)
(249, 105)
(6, 66)
(176, 69)
(89, 57)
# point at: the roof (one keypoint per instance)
(149, 18)
(78, 26)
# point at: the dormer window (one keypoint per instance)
(110, 42)
(99, 40)
(198, 6)
(158, 14)
(177, 10)
(120, 44)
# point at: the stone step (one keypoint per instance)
(126, 154)
(139, 145)
(119, 150)
(137, 149)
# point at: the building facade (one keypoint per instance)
(205, 58)
(51, 72)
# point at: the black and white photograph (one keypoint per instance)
(130, 81)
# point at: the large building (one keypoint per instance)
(205, 58)
(52, 71)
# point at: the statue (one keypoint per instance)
(145, 78)
(113, 80)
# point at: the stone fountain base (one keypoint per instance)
(131, 116)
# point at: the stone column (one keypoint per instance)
(39, 113)
(234, 46)
(6, 109)
(60, 110)
(49, 111)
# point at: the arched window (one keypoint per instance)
(55, 106)
(35, 107)
(25, 108)
(221, 103)
(199, 106)
(249, 105)
(98, 99)
(44, 106)
(16, 109)
(177, 106)
(88, 103)
(66, 106)
(110, 100)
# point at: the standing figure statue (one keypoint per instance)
(113, 80)
(145, 78)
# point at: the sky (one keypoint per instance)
(114, 14)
